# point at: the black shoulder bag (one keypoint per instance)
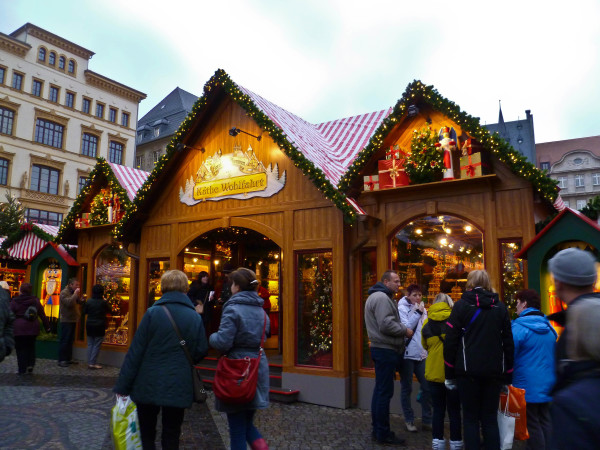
(199, 391)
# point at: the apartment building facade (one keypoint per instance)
(56, 117)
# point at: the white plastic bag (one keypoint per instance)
(124, 425)
(506, 426)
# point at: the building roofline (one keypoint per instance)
(52, 38)
(102, 82)
(12, 45)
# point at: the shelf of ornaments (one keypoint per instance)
(434, 184)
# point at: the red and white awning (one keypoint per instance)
(129, 178)
(26, 247)
(50, 229)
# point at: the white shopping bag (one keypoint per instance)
(506, 426)
(124, 425)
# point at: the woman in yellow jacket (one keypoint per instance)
(442, 398)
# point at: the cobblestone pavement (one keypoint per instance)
(69, 408)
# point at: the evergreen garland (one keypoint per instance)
(20, 234)
(425, 163)
(417, 91)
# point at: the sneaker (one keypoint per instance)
(411, 427)
(391, 439)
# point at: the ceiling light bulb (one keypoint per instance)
(419, 231)
(468, 228)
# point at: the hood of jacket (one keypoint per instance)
(481, 298)
(174, 297)
(23, 299)
(439, 311)
(537, 323)
(380, 287)
(245, 298)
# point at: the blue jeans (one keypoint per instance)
(410, 366)
(479, 398)
(66, 338)
(93, 348)
(386, 363)
(241, 429)
(445, 399)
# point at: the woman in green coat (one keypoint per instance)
(432, 337)
(156, 373)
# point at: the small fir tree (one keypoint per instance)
(425, 163)
(321, 326)
(99, 211)
(12, 215)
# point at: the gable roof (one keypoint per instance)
(62, 252)
(26, 242)
(566, 211)
(124, 181)
(331, 154)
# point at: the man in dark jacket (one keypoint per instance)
(69, 314)
(386, 337)
(7, 340)
(574, 273)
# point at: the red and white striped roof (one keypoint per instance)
(129, 178)
(26, 247)
(50, 229)
(331, 146)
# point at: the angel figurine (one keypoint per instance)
(447, 144)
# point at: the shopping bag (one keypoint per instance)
(506, 426)
(124, 425)
(517, 408)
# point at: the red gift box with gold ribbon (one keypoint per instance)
(371, 183)
(475, 165)
(392, 173)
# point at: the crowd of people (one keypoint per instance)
(464, 354)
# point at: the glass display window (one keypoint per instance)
(156, 269)
(368, 277)
(513, 279)
(437, 253)
(314, 295)
(113, 271)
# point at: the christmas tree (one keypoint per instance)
(425, 164)
(321, 325)
(99, 210)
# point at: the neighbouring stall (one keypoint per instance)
(102, 260)
(321, 211)
(568, 229)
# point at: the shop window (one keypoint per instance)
(113, 268)
(437, 253)
(49, 133)
(7, 117)
(156, 269)
(314, 309)
(512, 273)
(44, 179)
(368, 277)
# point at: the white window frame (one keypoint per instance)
(581, 204)
(562, 182)
(579, 181)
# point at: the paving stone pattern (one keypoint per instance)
(69, 408)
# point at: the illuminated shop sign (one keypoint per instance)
(237, 175)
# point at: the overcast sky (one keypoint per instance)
(327, 59)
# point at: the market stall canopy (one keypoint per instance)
(122, 184)
(60, 251)
(26, 242)
(333, 154)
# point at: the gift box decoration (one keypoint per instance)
(392, 173)
(475, 165)
(85, 216)
(394, 152)
(371, 183)
(82, 223)
(471, 146)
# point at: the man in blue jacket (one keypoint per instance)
(535, 342)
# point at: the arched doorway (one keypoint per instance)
(221, 250)
(437, 253)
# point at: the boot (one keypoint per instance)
(259, 444)
(438, 444)
(456, 445)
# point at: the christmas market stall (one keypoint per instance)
(95, 212)
(569, 228)
(321, 211)
(18, 248)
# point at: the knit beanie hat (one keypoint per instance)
(573, 266)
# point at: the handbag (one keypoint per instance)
(236, 379)
(517, 408)
(200, 394)
(506, 426)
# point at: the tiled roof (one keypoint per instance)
(129, 178)
(331, 146)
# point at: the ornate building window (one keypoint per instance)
(89, 145)
(4, 171)
(44, 179)
(7, 117)
(115, 152)
(579, 181)
(36, 88)
(42, 54)
(49, 133)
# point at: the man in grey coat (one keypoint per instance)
(7, 318)
(386, 337)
